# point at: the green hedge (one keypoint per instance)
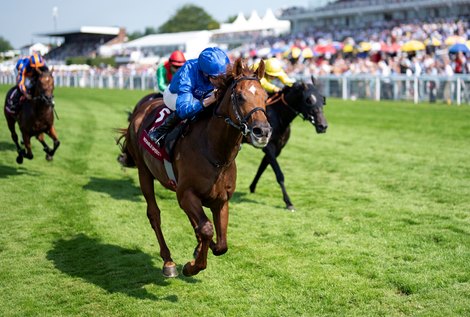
(97, 61)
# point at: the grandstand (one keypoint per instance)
(366, 13)
(84, 42)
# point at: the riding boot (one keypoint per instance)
(15, 101)
(158, 135)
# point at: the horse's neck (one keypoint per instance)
(223, 141)
(284, 110)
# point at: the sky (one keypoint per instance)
(22, 21)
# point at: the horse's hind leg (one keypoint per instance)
(153, 214)
(14, 136)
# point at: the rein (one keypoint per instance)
(242, 121)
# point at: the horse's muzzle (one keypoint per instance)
(260, 135)
(320, 124)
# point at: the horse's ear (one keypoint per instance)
(260, 70)
(313, 80)
(237, 67)
(52, 69)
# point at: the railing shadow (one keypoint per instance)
(111, 267)
(116, 188)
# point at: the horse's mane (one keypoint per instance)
(226, 80)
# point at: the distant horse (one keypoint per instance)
(204, 163)
(35, 117)
(301, 99)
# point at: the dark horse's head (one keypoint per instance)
(307, 100)
(44, 87)
(248, 99)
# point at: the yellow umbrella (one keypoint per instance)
(307, 52)
(348, 48)
(432, 42)
(365, 46)
(453, 39)
(412, 46)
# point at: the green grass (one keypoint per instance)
(382, 226)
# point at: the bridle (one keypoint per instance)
(281, 96)
(48, 100)
(242, 124)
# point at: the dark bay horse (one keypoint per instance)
(204, 163)
(301, 99)
(35, 117)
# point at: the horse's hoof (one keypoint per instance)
(188, 269)
(170, 271)
(29, 157)
(252, 189)
(19, 159)
(291, 208)
(48, 157)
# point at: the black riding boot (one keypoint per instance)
(15, 100)
(158, 135)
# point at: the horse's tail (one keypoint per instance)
(125, 158)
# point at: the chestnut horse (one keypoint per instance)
(35, 117)
(302, 99)
(204, 164)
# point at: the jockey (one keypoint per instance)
(27, 68)
(274, 76)
(167, 70)
(189, 87)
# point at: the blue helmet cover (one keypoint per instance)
(213, 61)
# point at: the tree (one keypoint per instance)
(4, 45)
(189, 18)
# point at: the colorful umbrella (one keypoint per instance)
(324, 49)
(348, 48)
(365, 46)
(453, 39)
(390, 48)
(432, 42)
(412, 46)
(459, 47)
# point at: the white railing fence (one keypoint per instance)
(452, 90)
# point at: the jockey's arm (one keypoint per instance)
(286, 80)
(161, 78)
(186, 105)
(269, 87)
(21, 82)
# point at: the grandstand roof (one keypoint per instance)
(98, 30)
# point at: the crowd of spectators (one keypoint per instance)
(435, 59)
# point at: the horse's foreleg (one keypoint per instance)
(53, 135)
(262, 167)
(27, 144)
(220, 222)
(45, 147)
(271, 158)
(153, 214)
(204, 229)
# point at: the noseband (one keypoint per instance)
(242, 124)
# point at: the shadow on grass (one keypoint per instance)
(110, 267)
(7, 146)
(116, 188)
(7, 171)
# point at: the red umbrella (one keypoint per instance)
(390, 48)
(324, 49)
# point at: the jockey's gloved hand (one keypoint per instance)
(28, 96)
(209, 100)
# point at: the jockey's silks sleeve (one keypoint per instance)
(21, 79)
(162, 78)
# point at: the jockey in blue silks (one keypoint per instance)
(27, 68)
(188, 87)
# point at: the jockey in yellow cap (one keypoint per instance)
(273, 73)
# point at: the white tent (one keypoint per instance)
(255, 23)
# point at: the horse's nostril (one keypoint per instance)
(257, 131)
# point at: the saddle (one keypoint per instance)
(165, 152)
